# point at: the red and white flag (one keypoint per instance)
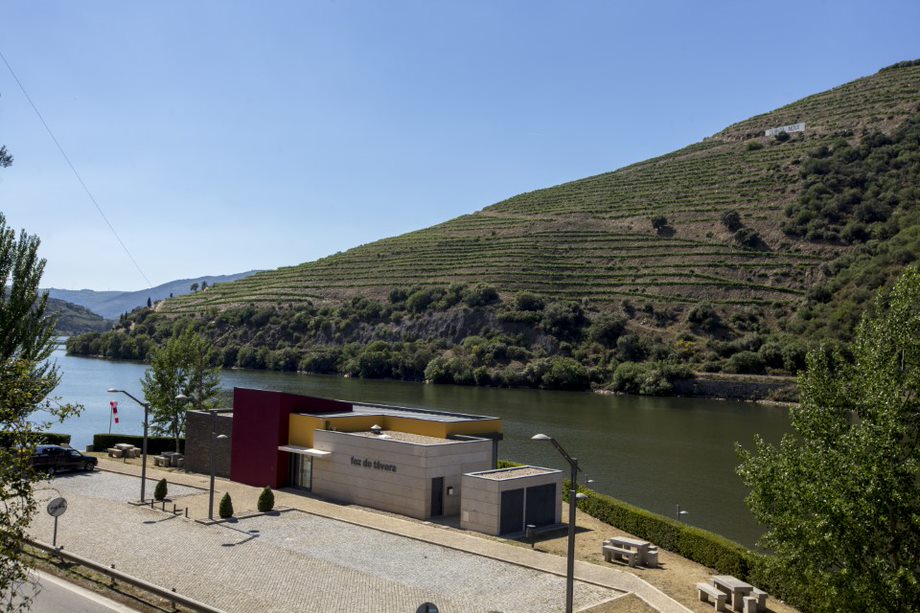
(114, 406)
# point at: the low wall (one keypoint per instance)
(746, 388)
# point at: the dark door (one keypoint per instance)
(541, 507)
(512, 517)
(437, 496)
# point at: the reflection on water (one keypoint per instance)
(652, 452)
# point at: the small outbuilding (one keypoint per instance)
(507, 500)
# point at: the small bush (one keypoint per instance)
(266, 500)
(226, 507)
(731, 220)
(159, 493)
(754, 145)
(659, 222)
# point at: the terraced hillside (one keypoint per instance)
(592, 239)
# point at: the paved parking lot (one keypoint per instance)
(290, 561)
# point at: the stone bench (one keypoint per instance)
(612, 551)
(115, 453)
(160, 460)
(710, 593)
(756, 602)
(651, 557)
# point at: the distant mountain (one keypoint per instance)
(111, 304)
(76, 319)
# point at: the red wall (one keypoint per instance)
(260, 425)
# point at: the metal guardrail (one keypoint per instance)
(156, 590)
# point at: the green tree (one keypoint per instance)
(182, 366)
(840, 498)
(27, 377)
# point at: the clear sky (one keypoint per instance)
(224, 136)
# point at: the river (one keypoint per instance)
(655, 453)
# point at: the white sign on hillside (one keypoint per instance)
(795, 127)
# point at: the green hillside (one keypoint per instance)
(736, 254)
(593, 238)
(76, 319)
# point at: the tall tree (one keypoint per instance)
(183, 365)
(27, 377)
(841, 497)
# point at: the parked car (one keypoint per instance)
(54, 458)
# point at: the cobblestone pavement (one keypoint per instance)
(291, 561)
(108, 486)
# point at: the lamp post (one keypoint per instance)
(681, 513)
(146, 406)
(574, 497)
(214, 435)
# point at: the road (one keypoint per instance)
(56, 595)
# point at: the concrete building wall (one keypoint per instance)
(197, 442)
(350, 474)
(481, 504)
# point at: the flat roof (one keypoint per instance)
(381, 410)
(406, 437)
(514, 472)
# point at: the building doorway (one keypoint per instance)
(437, 496)
(300, 473)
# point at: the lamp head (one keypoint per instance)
(580, 496)
(112, 390)
(541, 437)
(221, 437)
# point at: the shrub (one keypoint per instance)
(480, 295)
(159, 493)
(225, 510)
(745, 362)
(754, 145)
(748, 237)
(527, 301)
(565, 374)
(731, 220)
(266, 500)
(659, 222)
(606, 329)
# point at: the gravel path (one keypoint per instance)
(291, 561)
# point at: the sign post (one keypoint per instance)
(56, 508)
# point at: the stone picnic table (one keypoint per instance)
(641, 549)
(735, 589)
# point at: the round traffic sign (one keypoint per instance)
(57, 507)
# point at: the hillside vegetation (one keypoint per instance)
(75, 319)
(732, 254)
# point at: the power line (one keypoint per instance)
(74, 169)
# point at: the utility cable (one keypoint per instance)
(74, 169)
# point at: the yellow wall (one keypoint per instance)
(303, 426)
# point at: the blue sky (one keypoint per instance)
(225, 136)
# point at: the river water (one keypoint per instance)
(655, 453)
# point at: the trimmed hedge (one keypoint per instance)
(155, 444)
(41, 438)
(695, 544)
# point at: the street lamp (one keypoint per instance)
(214, 435)
(146, 406)
(574, 497)
(681, 513)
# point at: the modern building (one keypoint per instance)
(410, 461)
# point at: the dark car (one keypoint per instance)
(54, 459)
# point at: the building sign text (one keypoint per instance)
(376, 464)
